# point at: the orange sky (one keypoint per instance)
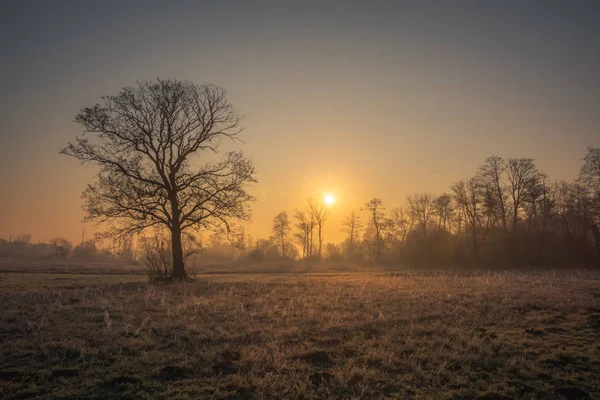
(357, 102)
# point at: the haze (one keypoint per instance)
(354, 100)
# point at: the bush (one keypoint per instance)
(158, 257)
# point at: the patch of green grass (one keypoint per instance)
(353, 335)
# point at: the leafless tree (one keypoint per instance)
(590, 177)
(62, 246)
(422, 209)
(400, 223)
(319, 212)
(590, 174)
(376, 224)
(444, 211)
(574, 207)
(352, 226)
(470, 198)
(303, 235)
(281, 229)
(491, 176)
(146, 140)
(523, 178)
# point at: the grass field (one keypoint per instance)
(355, 335)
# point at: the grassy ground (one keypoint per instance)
(355, 335)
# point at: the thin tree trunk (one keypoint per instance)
(596, 234)
(320, 239)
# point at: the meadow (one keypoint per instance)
(354, 335)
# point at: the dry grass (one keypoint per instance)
(354, 335)
(67, 266)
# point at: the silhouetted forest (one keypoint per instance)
(508, 213)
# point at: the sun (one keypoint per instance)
(329, 199)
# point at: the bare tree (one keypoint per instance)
(523, 178)
(422, 208)
(145, 140)
(400, 223)
(319, 212)
(281, 230)
(470, 198)
(443, 209)
(303, 236)
(590, 174)
(376, 223)
(491, 176)
(574, 208)
(62, 246)
(352, 226)
(590, 177)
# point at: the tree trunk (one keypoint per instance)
(178, 272)
(320, 240)
(310, 241)
(178, 265)
(596, 234)
(475, 246)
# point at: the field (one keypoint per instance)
(361, 335)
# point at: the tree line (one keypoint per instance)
(508, 212)
(61, 248)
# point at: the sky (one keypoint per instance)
(357, 99)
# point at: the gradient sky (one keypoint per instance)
(360, 99)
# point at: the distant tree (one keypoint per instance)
(522, 178)
(421, 206)
(469, 196)
(590, 177)
(536, 191)
(3, 246)
(333, 251)
(590, 174)
(62, 246)
(24, 238)
(352, 227)
(241, 241)
(281, 229)
(376, 224)
(491, 176)
(145, 140)
(303, 236)
(575, 210)
(19, 245)
(400, 223)
(86, 250)
(443, 209)
(320, 212)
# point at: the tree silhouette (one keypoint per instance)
(281, 229)
(470, 199)
(319, 212)
(305, 228)
(376, 223)
(145, 140)
(352, 226)
(491, 177)
(590, 177)
(422, 208)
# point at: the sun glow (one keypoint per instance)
(329, 199)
